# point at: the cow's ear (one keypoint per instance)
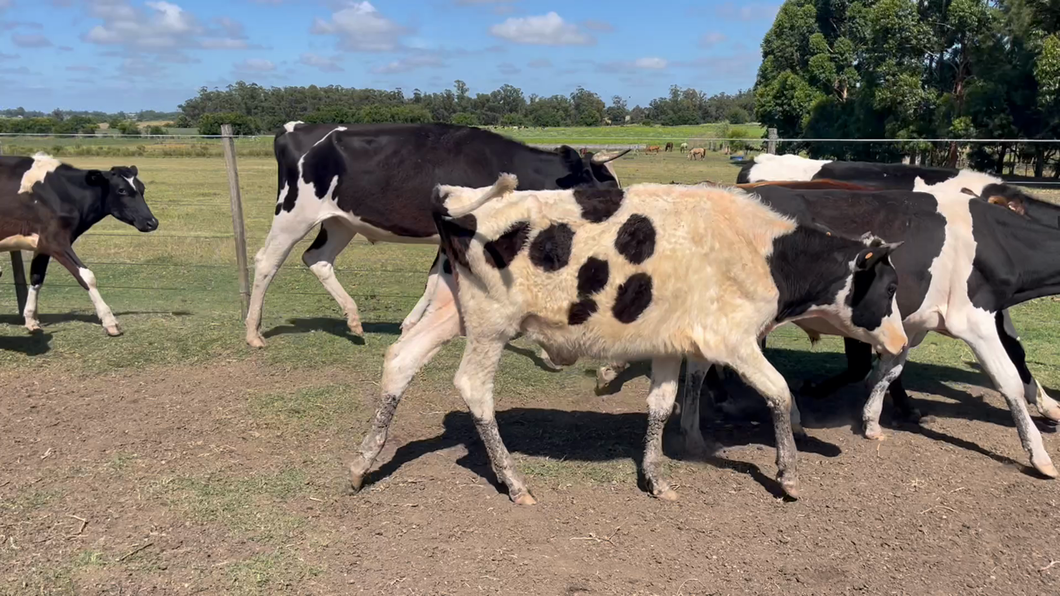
(570, 155)
(134, 171)
(869, 256)
(968, 192)
(94, 178)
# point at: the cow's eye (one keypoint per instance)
(122, 191)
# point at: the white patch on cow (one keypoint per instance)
(965, 179)
(30, 312)
(131, 180)
(110, 324)
(43, 164)
(784, 167)
(19, 242)
(290, 126)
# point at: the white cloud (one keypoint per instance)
(320, 62)
(546, 30)
(361, 28)
(138, 67)
(162, 27)
(540, 63)
(507, 68)
(650, 63)
(34, 40)
(410, 64)
(709, 40)
(255, 65)
(4, 56)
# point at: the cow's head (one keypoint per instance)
(870, 303)
(123, 196)
(590, 169)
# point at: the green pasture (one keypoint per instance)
(175, 291)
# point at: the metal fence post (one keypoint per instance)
(18, 271)
(771, 145)
(238, 226)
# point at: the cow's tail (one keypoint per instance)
(505, 184)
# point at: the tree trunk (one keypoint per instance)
(1039, 160)
(1002, 151)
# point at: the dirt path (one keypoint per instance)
(230, 479)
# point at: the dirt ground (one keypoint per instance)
(207, 481)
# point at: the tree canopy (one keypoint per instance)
(909, 69)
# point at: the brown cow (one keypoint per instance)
(652, 149)
(697, 153)
(669, 147)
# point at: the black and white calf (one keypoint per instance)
(656, 271)
(376, 180)
(963, 262)
(46, 205)
(988, 188)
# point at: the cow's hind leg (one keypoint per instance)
(287, 230)
(695, 372)
(753, 367)
(982, 337)
(334, 236)
(37, 270)
(664, 376)
(1032, 389)
(403, 360)
(417, 311)
(67, 258)
(474, 380)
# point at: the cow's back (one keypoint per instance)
(12, 169)
(386, 172)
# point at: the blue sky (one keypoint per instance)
(130, 54)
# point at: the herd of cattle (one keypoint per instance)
(550, 246)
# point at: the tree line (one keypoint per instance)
(253, 108)
(921, 69)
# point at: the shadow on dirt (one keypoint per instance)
(333, 326)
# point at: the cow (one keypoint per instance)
(376, 180)
(46, 205)
(684, 147)
(964, 261)
(656, 271)
(907, 177)
(697, 153)
(669, 146)
(652, 149)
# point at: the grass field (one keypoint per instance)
(204, 467)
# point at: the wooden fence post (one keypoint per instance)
(771, 145)
(18, 272)
(238, 226)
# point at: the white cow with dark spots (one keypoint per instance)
(657, 271)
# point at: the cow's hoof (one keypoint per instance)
(112, 330)
(911, 416)
(695, 446)
(1044, 466)
(790, 486)
(33, 326)
(524, 498)
(665, 495)
(798, 431)
(358, 330)
(547, 361)
(604, 376)
(356, 482)
(1050, 413)
(874, 432)
(256, 341)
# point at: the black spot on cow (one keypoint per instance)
(599, 204)
(581, 311)
(321, 239)
(636, 239)
(447, 267)
(551, 249)
(634, 296)
(592, 277)
(501, 251)
(323, 164)
(456, 235)
(279, 206)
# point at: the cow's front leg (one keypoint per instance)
(37, 270)
(474, 380)
(67, 258)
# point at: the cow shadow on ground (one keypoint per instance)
(336, 327)
(79, 317)
(30, 344)
(843, 408)
(583, 436)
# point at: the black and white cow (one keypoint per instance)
(46, 205)
(655, 271)
(376, 180)
(963, 261)
(908, 177)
